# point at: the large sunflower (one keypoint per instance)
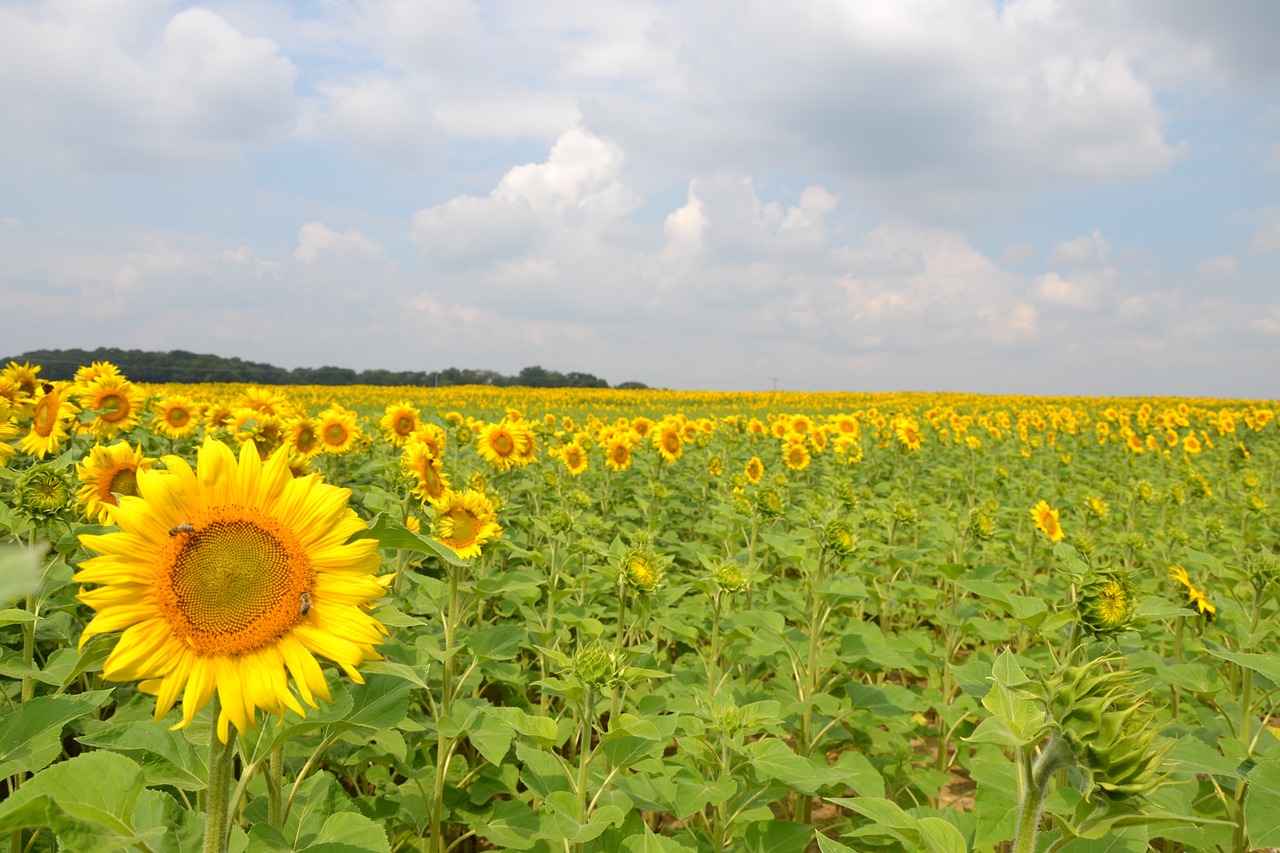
(50, 417)
(106, 474)
(338, 430)
(667, 439)
(233, 577)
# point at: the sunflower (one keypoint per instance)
(574, 458)
(434, 437)
(218, 415)
(176, 417)
(8, 430)
(1195, 598)
(11, 394)
(50, 417)
(25, 376)
(667, 438)
(265, 400)
(302, 435)
(506, 444)
(796, 455)
(1047, 521)
(264, 431)
(754, 470)
(465, 521)
(116, 404)
(400, 421)
(233, 577)
(86, 375)
(617, 452)
(908, 433)
(338, 430)
(420, 463)
(108, 472)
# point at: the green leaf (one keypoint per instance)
(625, 750)
(512, 825)
(778, 836)
(19, 575)
(540, 729)
(1267, 665)
(32, 736)
(167, 756)
(693, 794)
(392, 534)
(648, 842)
(939, 836)
(502, 642)
(491, 738)
(542, 773)
(88, 801)
(828, 845)
(1262, 803)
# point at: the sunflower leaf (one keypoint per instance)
(392, 534)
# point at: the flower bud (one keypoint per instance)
(1107, 602)
(599, 664)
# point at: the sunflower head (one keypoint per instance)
(233, 577)
(44, 491)
(599, 664)
(1046, 520)
(770, 503)
(1109, 727)
(839, 537)
(106, 475)
(465, 521)
(981, 525)
(730, 576)
(1107, 602)
(642, 569)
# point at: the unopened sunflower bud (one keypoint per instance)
(1264, 571)
(981, 527)
(642, 569)
(730, 577)
(44, 492)
(1107, 602)
(599, 664)
(769, 503)
(1109, 728)
(847, 495)
(839, 537)
(560, 521)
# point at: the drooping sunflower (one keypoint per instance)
(1046, 520)
(51, 417)
(1195, 598)
(400, 421)
(505, 444)
(233, 577)
(108, 472)
(116, 404)
(338, 430)
(465, 521)
(434, 437)
(218, 415)
(425, 468)
(176, 417)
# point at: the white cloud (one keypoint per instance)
(1220, 267)
(1090, 250)
(1267, 237)
(139, 91)
(317, 242)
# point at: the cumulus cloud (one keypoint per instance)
(1220, 267)
(138, 90)
(1091, 250)
(1267, 237)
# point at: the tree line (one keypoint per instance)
(189, 367)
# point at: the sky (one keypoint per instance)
(1027, 196)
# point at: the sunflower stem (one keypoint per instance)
(275, 779)
(218, 796)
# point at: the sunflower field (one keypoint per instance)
(247, 618)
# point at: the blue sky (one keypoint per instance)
(1021, 197)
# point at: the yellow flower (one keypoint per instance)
(88, 374)
(302, 435)
(399, 422)
(668, 440)
(419, 462)
(754, 470)
(465, 521)
(795, 455)
(338, 430)
(176, 416)
(506, 444)
(574, 458)
(105, 474)
(1195, 598)
(50, 418)
(116, 404)
(1047, 521)
(617, 452)
(233, 577)
(265, 400)
(25, 376)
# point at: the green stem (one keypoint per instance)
(584, 753)
(218, 793)
(29, 650)
(275, 780)
(1034, 775)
